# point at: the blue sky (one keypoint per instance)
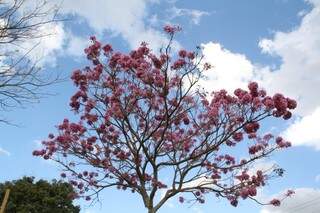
(275, 42)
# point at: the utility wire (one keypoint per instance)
(305, 205)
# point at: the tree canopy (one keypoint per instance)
(145, 124)
(30, 196)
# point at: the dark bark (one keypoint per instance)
(151, 210)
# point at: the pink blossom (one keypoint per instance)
(238, 136)
(183, 53)
(171, 29)
(275, 202)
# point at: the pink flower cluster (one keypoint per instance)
(171, 29)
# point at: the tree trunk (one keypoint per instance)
(151, 210)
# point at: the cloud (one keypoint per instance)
(262, 165)
(45, 39)
(230, 70)
(44, 50)
(305, 200)
(4, 152)
(298, 75)
(195, 15)
(76, 45)
(117, 17)
(199, 181)
(125, 18)
(314, 2)
(305, 130)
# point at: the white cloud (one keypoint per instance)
(195, 15)
(314, 2)
(45, 40)
(153, 20)
(230, 70)
(305, 200)
(298, 75)
(118, 16)
(305, 130)
(265, 166)
(200, 181)
(45, 49)
(76, 45)
(317, 178)
(262, 165)
(4, 152)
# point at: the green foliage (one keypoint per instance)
(28, 196)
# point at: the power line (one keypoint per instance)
(304, 205)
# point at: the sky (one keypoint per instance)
(273, 42)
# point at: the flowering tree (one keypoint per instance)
(146, 126)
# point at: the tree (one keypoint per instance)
(147, 126)
(21, 79)
(26, 196)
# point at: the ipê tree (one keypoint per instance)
(146, 126)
